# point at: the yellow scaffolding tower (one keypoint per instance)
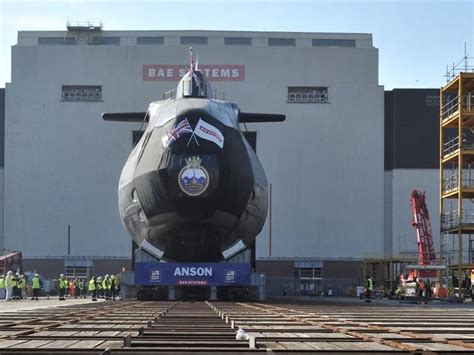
(456, 173)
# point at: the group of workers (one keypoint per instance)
(14, 287)
(107, 287)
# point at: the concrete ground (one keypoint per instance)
(25, 305)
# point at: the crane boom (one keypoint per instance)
(421, 222)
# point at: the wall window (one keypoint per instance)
(106, 40)
(285, 42)
(333, 42)
(193, 40)
(81, 93)
(150, 40)
(50, 40)
(237, 41)
(307, 94)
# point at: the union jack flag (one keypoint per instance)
(176, 132)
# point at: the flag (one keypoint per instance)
(206, 131)
(176, 132)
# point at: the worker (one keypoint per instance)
(80, 288)
(15, 279)
(9, 286)
(107, 287)
(2, 287)
(113, 288)
(92, 288)
(62, 284)
(72, 288)
(370, 288)
(22, 287)
(100, 290)
(35, 287)
(429, 290)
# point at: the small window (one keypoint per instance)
(307, 94)
(106, 40)
(50, 40)
(81, 93)
(333, 42)
(237, 41)
(284, 42)
(193, 40)
(151, 40)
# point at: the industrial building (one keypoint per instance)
(336, 200)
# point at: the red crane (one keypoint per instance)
(421, 222)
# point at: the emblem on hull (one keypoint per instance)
(193, 178)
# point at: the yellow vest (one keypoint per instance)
(92, 285)
(2, 282)
(35, 283)
(62, 283)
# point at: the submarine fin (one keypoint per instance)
(126, 116)
(246, 117)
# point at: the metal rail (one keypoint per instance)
(130, 327)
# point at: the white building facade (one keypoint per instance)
(325, 163)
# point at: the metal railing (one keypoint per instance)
(451, 183)
(451, 219)
(452, 106)
(450, 146)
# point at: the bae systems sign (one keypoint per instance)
(213, 72)
(193, 274)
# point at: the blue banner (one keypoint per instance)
(192, 274)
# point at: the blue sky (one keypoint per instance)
(416, 39)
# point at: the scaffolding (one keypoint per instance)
(457, 174)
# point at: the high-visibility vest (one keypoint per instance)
(14, 281)
(62, 283)
(2, 282)
(106, 284)
(35, 283)
(80, 285)
(92, 285)
(21, 283)
(370, 284)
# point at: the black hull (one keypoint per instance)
(184, 228)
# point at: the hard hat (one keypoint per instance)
(62, 275)
(107, 276)
(36, 275)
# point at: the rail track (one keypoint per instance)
(131, 327)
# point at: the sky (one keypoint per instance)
(416, 39)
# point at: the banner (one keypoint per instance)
(207, 131)
(192, 274)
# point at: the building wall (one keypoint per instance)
(411, 162)
(325, 163)
(403, 182)
(2, 164)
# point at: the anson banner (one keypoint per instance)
(192, 274)
(213, 72)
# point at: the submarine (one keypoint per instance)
(193, 189)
